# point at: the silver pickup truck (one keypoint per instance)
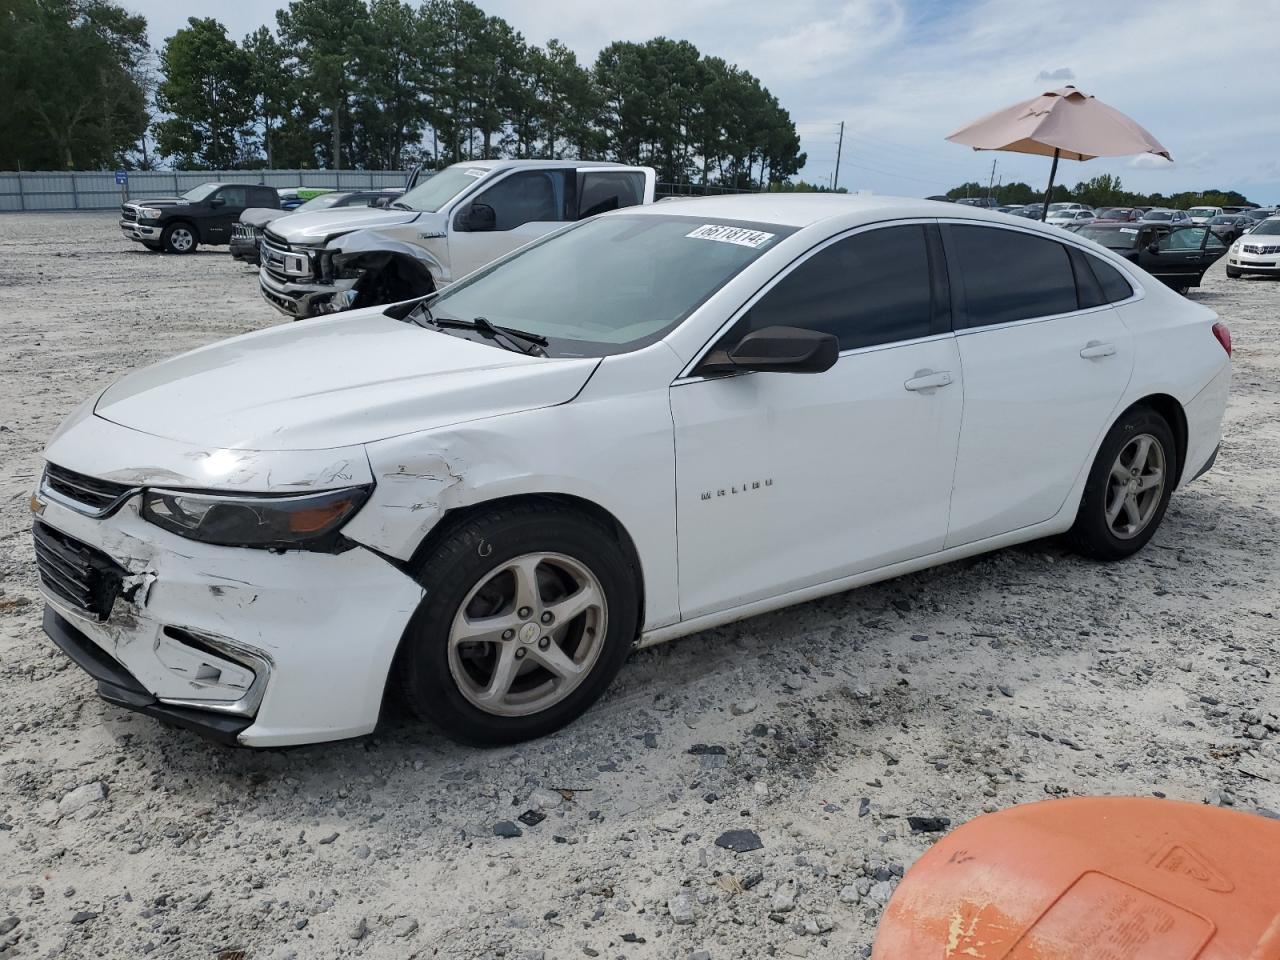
(462, 218)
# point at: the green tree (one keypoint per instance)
(390, 102)
(267, 83)
(204, 90)
(321, 36)
(72, 72)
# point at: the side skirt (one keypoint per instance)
(1048, 528)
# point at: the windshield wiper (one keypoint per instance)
(535, 345)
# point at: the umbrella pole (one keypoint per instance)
(1048, 193)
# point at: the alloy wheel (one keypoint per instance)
(1135, 486)
(181, 239)
(527, 634)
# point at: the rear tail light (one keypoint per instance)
(1223, 334)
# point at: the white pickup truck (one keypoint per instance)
(462, 218)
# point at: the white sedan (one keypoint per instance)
(650, 423)
(1071, 218)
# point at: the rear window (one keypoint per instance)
(602, 191)
(1008, 275)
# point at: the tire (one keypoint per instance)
(1139, 509)
(473, 575)
(1233, 274)
(179, 237)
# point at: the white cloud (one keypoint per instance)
(1062, 73)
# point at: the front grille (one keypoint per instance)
(83, 577)
(128, 213)
(90, 491)
(281, 261)
(245, 232)
(1256, 248)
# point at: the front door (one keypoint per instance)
(1042, 378)
(785, 481)
(526, 204)
(217, 229)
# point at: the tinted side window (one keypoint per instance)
(870, 288)
(601, 191)
(233, 196)
(263, 197)
(526, 197)
(1114, 286)
(1009, 275)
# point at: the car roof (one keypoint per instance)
(537, 164)
(807, 209)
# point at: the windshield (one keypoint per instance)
(1115, 213)
(199, 193)
(1059, 206)
(439, 189)
(1266, 228)
(1158, 215)
(1223, 219)
(320, 202)
(1203, 211)
(612, 284)
(1124, 238)
(1258, 214)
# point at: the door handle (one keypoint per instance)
(928, 379)
(1096, 349)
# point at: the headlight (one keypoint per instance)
(306, 522)
(148, 213)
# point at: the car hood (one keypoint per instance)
(333, 382)
(312, 229)
(157, 202)
(261, 216)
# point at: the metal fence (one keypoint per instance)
(97, 189)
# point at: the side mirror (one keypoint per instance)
(1153, 247)
(480, 218)
(217, 202)
(777, 350)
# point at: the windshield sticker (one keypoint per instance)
(1128, 230)
(474, 173)
(738, 235)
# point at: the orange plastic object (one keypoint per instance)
(1093, 879)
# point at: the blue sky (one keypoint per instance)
(1203, 77)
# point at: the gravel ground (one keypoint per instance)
(1024, 674)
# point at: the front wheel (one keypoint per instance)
(1128, 488)
(179, 238)
(529, 614)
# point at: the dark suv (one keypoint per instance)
(204, 214)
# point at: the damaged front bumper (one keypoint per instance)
(301, 300)
(248, 646)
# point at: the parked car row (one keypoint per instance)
(481, 500)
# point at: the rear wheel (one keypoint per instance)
(529, 614)
(179, 238)
(1128, 488)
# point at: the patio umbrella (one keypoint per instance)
(1060, 123)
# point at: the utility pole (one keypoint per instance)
(835, 178)
(992, 180)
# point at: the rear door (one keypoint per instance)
(1043, 373)
(526, 205)
(1183, 256)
